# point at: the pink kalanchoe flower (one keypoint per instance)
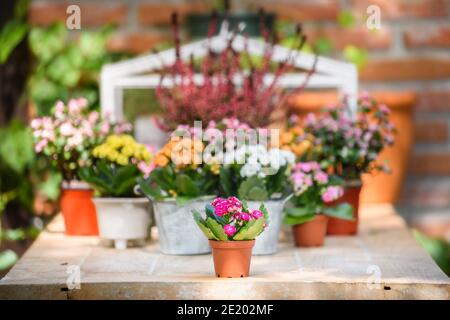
(217, 201)
(332, 193)
(235, 202)
(256, 214)
(40, 145)
(229, 230)
(244, 216)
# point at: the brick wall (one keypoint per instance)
(411, 52)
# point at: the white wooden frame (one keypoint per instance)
(329, 73)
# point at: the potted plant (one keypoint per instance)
(257, 173)
(231, 228)
(349, 148)
(256, 23)
(118, 163)
(67, 138)
(179, 183)
(309, 208)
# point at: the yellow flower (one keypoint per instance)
(122, 160)
(173, 193)
(215, 168)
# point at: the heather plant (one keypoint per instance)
(217, 97)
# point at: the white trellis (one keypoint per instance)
(116, 77)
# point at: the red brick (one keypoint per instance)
(361, 37)
(395, 9)
(433, 131)
(308, 10)
(399, 69)
(160, 13)
(426, 194)
(136, 42)
(432, 163)
(92, 14)
(434, 100)
(429, 36)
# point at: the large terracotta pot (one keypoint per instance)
(311, 233)
(379, 187)
(351, 195)
(232, 258)
(78, 211)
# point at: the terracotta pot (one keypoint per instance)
(379, 187)
(78, 211)
(311, 233)
(346, 227)
(232, 258)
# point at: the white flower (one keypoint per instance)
(249, 170)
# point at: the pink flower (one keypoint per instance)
(36, 123)
(104, 129)
(235, 202)
(321, 177)
(145, 168)
(229, 230)
(384, 108)
(93, 117)
(59, 109)
(256, 214)
(244, 216)
(66, 129)
(74, 107)
(40, 145)
(332, 193)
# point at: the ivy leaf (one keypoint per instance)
(10, 36)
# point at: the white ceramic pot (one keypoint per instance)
(267, 242)
(177, 230)
(123, 220)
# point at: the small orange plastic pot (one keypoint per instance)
(79, 214)
(339, 227)
(311, 233)
(232, 258)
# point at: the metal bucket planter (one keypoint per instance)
(123, 219)
(267, 242)
(178, 232)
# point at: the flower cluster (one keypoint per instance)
(295, 139)
(349, 145)
(234, 214)
(124, 150)
(258, 160)
(69, 135)
(314, 184)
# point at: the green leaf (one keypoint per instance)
(356, 55)
(149, 191)
(293, 220)
(46, 43)
(216, 229)
(16, 147)
(14, 234)
(50, 187)
(323, 46)
(7, 259)
(263, 209)
(225, 181)
(345, 19)
(186, 186)
(341, 211)
(202, 225)
(10, 36)
(253, 189)
(251, 230)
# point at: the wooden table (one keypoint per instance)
(383, 262)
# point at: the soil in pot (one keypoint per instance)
(78, 211)
(311, 233)
(232, 258)
(346, 227)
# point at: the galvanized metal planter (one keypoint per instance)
(178, 232)
(267, 242)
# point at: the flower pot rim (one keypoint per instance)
(75, 185)
(206, 197)
(119, 199)
(231, 244)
